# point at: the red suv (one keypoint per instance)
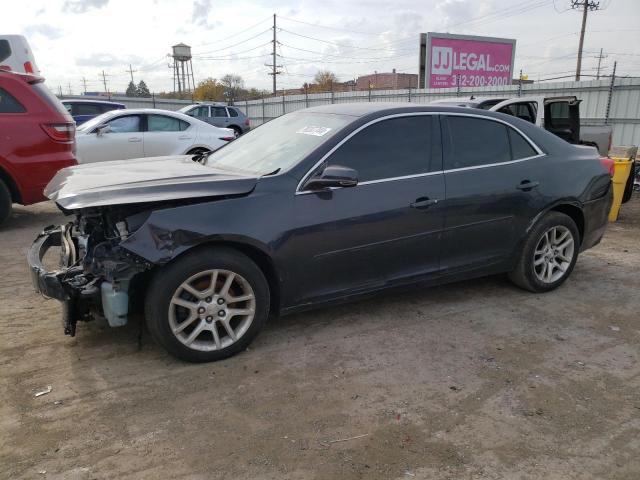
(37, 138)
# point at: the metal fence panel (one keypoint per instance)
(624, 115)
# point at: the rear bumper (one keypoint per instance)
(596, 219)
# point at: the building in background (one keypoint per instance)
(387, 81)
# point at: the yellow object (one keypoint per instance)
(622, 167)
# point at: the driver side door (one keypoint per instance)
(122, 141)
(387, 229)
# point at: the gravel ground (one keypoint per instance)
(471, 380)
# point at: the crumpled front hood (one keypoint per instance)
(143, 180)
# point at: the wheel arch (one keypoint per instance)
(258, 255)
(574, 212)
(16, 197)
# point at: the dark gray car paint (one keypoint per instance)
(339, 244)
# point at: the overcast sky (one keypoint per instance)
(72, 39)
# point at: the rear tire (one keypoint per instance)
(236, 131)
(192, 312)
(5, 202)
(548, 255)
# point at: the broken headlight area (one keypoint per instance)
(95, 274)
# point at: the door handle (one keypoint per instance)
(423, 202)
(527, 185)
(135, 139)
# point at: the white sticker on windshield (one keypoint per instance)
(315, 131)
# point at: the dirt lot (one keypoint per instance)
(473, 380)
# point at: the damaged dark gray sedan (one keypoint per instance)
(323, 205)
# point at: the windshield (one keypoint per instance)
(280, 143)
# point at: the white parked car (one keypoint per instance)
(145, 132)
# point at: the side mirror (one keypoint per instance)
(102, 129)
(333, 176)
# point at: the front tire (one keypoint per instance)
(5, 202)
(548, 255)
(207, 305)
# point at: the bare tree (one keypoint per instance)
(233, 84)
(325, 80)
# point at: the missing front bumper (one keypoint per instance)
(68, 284)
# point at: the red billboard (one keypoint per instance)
(468, 60)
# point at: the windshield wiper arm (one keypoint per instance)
(272, 173)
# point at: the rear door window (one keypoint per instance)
(162, 123)
(391, 148)
(86, 109)
(9, 104)
(218, 112)
(520, 148)
(474, 142)
(5, 50)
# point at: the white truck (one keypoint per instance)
(558, 115)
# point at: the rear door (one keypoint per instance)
(386, 229)
(562, 118)
(219, 116)
(166, 135)
(121, 142)
(492, 178)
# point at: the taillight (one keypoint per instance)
(246, 122)
(608, 164)
(28, 68)
(60, 132)
(226, 139)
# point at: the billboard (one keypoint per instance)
(471, 61)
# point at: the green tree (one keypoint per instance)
(209, 89)
(132, 91)
(143, 90)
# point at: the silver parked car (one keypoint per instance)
(219, 115)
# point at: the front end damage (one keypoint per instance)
(95, 273)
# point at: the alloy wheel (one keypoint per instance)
(212, 310)
(553, 254)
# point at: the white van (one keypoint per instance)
(16, 55)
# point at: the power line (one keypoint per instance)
(234, 45)
(236, 34)
(329, 28)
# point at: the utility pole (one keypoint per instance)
(131, 71)
(104, 81)
(599, 57)
(586, 5)
(60, 90)
(84, 84)
(69, 88)
(274, 66)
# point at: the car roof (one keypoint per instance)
(467, 100)
(366, 108)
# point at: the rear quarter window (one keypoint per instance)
(9, 104)
(5, 50)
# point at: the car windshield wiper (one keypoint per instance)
(271, 173)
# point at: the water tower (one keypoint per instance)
(183, 81)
